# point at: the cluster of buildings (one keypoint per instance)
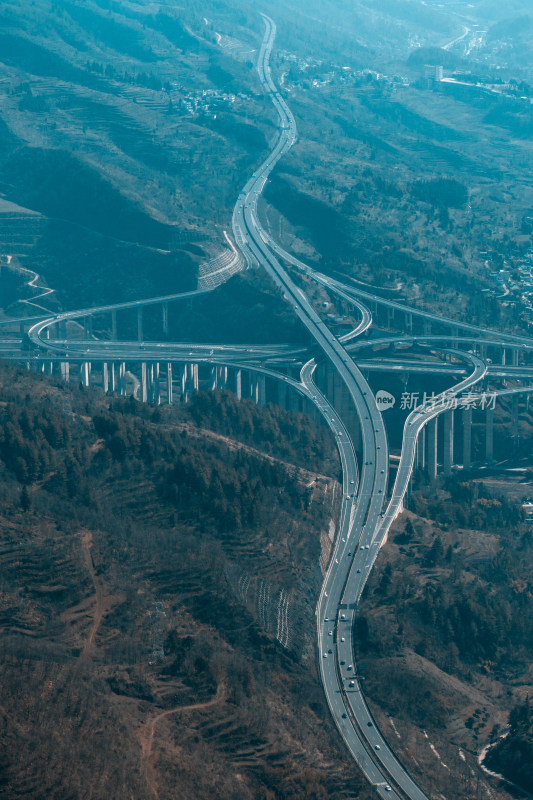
(318, 73)
(516, 285)
(206, 101)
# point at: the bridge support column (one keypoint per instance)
(114, 326)
(409, 322)
(213, 383)
(261, 390)
(448, 442)
(65, 371)
(165, 319)
(467, 439)
(156, 374)
(184, 383)
(222, 377)
(86, 373)
(254, 388)
(503, 356)
(140, 332)
(105, 377)
(427, 327)
(238, 384)
(515, 357)
(421, 450)
(169, 383)
(390, 317)
(489, 436)
(122, 378)
(483, 351)
(194, 376)
(432, 449)
(144, 383)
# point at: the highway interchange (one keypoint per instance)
(367, 510)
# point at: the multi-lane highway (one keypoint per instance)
(360, 511)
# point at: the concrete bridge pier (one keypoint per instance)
(189, 381)
(238, 384)
(114, 326)
(105, 377)
(184, 387)
(222, 378)
(503, 356)
(483, 351)
(140, 331)
(432, 448)
(420, 457)
(65, 371)
(122, 378)
(154, 392)
(261, 390)
(489, 436)
(254, 387)
(165, 319)
(169, 383)
(467, 439)
(409, 322)
(213, 383)
(113, 378)
(448, 442)
(427, 327)
(85, 373)
(144, 382)
(390, 317)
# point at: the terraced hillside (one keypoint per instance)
(157, 604)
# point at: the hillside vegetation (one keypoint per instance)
(159, 576)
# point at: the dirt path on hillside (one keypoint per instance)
(101, 602)
(147, 732)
